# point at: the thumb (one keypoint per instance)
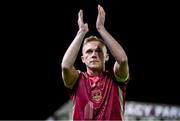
(86, 25)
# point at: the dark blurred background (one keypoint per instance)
(36, 35)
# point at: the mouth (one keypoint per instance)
(94, 61)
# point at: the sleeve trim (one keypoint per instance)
(119, 79)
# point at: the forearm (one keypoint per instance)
(72, 52)
(115, 48)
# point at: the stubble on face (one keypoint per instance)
(94, 54)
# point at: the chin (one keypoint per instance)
(95, 67)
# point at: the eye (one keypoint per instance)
(99, 50)
(89, 51)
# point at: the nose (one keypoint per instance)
(94, 55)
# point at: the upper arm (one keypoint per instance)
(70, 76)
(121, 71)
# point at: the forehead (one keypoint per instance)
(93, 45)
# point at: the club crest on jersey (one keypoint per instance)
(96, 95)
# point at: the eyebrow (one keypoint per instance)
(94, 48)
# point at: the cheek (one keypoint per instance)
(101, 56)
(86, 58)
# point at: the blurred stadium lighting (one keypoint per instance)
(135, 111)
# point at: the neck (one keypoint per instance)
(96, 72)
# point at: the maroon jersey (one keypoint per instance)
(98, 97)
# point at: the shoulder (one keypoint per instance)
(82, 75)
(76, 85)
(116, 79)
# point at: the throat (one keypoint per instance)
(94, 72)
(94, 76)
(94, 79)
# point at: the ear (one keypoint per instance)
(82, 58)
(107, 57)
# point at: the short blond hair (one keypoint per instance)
(93, 38)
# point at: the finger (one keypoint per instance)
(102, 12)
(86, 25)
(99, 9)
(80, 15)
(99, 5)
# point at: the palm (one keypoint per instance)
(82, 26)
(101, 18)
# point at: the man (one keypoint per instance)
(98, 94)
